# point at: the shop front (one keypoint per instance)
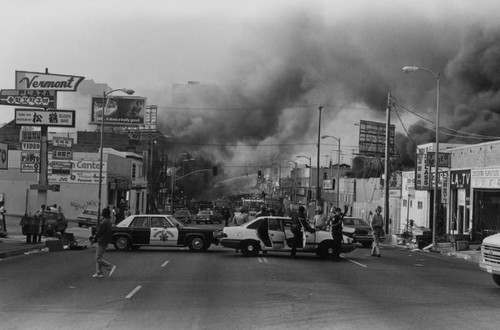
(460, 207)
(485, 185)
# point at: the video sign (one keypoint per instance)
(122, 110)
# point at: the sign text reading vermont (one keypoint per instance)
(46, 81)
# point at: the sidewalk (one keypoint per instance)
(15, 242)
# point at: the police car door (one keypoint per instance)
(276, 233)
(161, 232)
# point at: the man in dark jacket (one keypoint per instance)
(298, 218)
(336, 226)
(103, 238)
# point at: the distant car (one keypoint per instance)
(362, 232)
(275, 234)
(208, 216)
(161, 230)
(87, 218)
(55, 222)
(184, 216)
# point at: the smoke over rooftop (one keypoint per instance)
(262, 108)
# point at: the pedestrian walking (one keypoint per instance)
(377, 225)
(103, 238)
(336, 227)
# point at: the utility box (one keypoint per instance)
(461, 245)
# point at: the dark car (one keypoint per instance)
(362, 231)
(55, 222)
(184, 216)
(208, 216)
(162, 231)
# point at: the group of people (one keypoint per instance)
(321, 222)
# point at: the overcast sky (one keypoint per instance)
(280, 53)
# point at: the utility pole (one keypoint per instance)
(386, 165)
(318, 187)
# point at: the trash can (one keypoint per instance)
(422, 235)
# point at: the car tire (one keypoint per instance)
(326, 250)
(496, 279)
(250, 249)
(197, 244)
(122, 243)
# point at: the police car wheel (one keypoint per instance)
(250, 249)
(326, 250)
(122, 243)
(496, 279)
(196, 244)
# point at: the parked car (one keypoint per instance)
(208, 216)
(55, 222)
(184, 216)
(275, 234)
(161, 230)
(87, 218)
(362, 232)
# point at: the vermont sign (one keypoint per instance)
(47, 81)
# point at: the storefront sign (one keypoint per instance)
(47, 81)
(30, 146)
(31, 135)
(485, 178)
(59, 118)
(27, 98)
(62, 154)
(421, 171)
(460, 179)
(444, 159)
(62, 142)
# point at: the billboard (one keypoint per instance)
(120, 110)
(372, 139)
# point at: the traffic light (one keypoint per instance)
(259, 174)
(214, 170)
(333, 184)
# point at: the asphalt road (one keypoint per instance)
(219, 289)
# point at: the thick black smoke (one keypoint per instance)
(283, 69)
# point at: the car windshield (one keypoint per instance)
(355, 222)
(176, 222)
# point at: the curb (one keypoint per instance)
(19, 251)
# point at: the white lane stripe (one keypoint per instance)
(355, 262)
(262, 260)
(133, 292)
(165, 263)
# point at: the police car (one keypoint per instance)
(162, 231)
(275, 234)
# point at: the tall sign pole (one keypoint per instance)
(386, 166)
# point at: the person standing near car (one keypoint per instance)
(319, 220)
(297, 219)
(103, 237)
(2, 214)
(336, 226)
(377, 225)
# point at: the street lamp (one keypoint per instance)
(409, 69)
(318, 188)
(104, 107)
(309, 189)
(338, 166)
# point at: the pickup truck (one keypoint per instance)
(490, 257)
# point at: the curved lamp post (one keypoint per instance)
(409, 69)
(309, 189)
(338, 167)
(104, 107)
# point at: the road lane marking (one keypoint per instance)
(165, 263)
(133, 292)
(262, 260)
(355, 262)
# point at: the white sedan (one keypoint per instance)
(275, 234)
